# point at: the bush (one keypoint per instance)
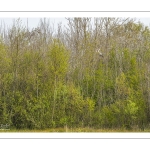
(124, 113)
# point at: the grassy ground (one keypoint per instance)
(80, 130)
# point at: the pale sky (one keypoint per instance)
(146, 21)
(33, 22)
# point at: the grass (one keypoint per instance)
(71, 130)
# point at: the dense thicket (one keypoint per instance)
(92, 72)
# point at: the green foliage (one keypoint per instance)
(58, 60)
(49, 82)
(131, 109)
(124, 113)
(123, 89)
(112, 116)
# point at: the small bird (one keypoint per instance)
(100, 53)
